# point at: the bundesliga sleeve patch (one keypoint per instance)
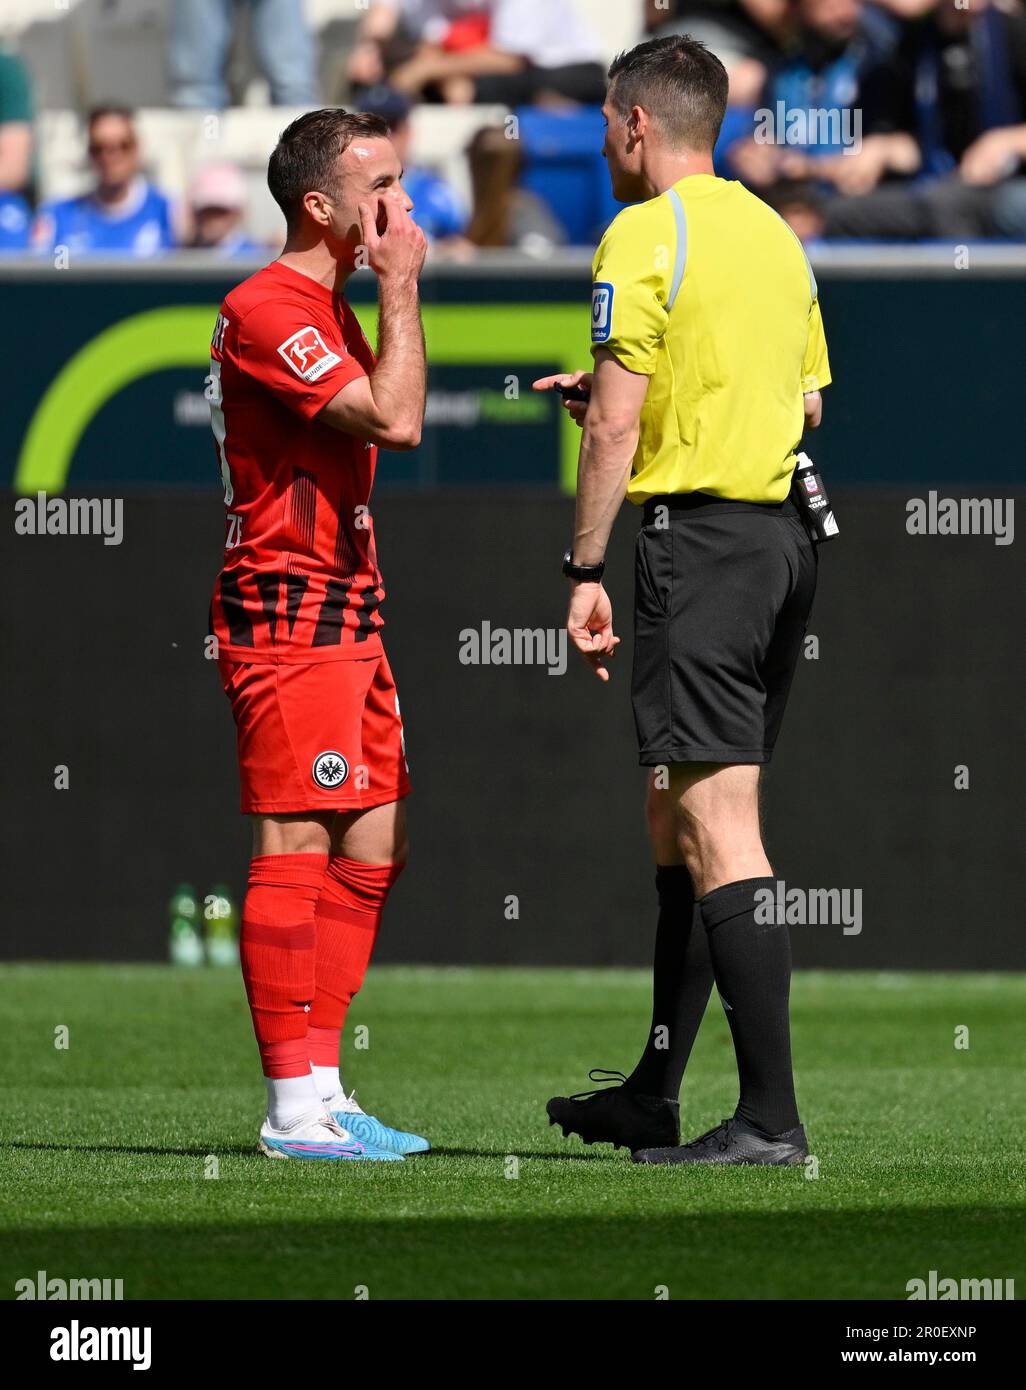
(601, 311)
(308, 355)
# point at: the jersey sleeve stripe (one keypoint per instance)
(680, 259)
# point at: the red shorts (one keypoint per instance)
(317, 736)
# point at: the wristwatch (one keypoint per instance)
(584, 574)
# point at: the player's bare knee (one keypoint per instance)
(375, 836)
(289, 835)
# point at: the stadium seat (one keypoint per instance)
(618, 26)
(563, 164)
(738, 124)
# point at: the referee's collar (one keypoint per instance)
(700, 185)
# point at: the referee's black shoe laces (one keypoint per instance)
(603, 1076)
(615, 1114)
(734, 1141)
(718, 1135)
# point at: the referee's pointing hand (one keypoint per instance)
(590, 625)
(575, 409)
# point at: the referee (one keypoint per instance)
(709, 355)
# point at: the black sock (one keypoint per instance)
(752, 962)
(682, 980)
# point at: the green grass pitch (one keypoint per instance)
(107, 1143)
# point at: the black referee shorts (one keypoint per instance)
(722, 595)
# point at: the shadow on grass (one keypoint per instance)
(247, 1150)
(549, 1155)
(150, 1149)
(815, 1255)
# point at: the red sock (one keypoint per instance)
(348, 915)
(277, 949)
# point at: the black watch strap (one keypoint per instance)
(584, 574)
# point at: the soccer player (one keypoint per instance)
(709, 355)
(299, 406)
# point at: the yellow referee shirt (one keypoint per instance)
(708, 292)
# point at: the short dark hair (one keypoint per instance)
(305, 156)
(679, 82)
(100, 113)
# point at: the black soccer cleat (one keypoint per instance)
(616, 1115)
(734, 1141)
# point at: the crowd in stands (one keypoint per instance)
(883, 120)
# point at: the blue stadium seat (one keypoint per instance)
(738, 124)
(563, 165)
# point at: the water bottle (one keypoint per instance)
(221, 923)
(185, 946)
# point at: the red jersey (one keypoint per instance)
(300, 580)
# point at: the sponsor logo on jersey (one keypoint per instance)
(308, 355)
(601, 311)
(330, 769)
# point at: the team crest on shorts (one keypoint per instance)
(330, 770)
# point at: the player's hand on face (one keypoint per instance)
(395, 244)
(590, 625)
(577, 410)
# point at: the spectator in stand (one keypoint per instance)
(201, 35)
(967, 68)
(746, 35)
(15, 153)
(436, 208)
(843, 63)
(504, 213)
(515, 52)
(217, 211)
(123, 214)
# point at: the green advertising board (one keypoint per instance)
(113, 395)
(103, 371)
